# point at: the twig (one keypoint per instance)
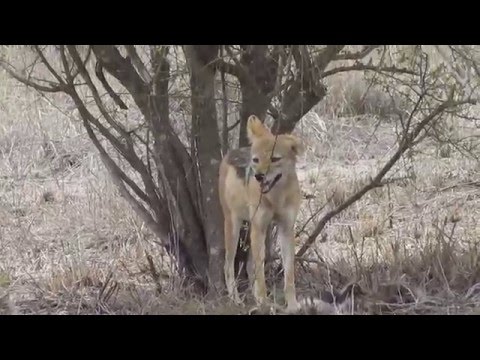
(313, 216)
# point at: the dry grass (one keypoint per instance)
(70, 245)
(418, 235)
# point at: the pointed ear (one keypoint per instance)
(296, 145)
(255, 128)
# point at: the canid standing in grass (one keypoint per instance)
(259, 184)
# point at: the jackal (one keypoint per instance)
(259, 184)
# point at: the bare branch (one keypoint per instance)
(123, 70)
(128, 152)
(139, 65)
(87, 57)
(115, 97)
(66, 67)
(88, 118)
(48, 65)
(233, 126)
(363, 67)
(457, 73)
(325, 56)
(158, 56)
(53, 89)
(347, 55)
(273, 112)
(86, 76)
(315, 213)
(229, 68)
(160, 227)
(405, 144)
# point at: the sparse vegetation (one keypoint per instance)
(71, 244)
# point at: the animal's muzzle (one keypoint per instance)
(259, 177)
(266, 186)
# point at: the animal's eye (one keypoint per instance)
(275, 159)
(255, 160)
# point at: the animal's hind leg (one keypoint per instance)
(250, 267)
(232, 235)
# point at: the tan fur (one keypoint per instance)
(280, 202)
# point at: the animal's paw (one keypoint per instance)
(236, 299)
(263, 309)
(293, 308)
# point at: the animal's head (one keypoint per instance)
(272, 157)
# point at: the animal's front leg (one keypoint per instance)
(287, 246)
(232, 232)
(258, 234)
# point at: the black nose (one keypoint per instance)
(259, 177)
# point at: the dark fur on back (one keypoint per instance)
(240, 160)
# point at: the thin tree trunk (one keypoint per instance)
(253, 103)
(207, 150)
(256, 83)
